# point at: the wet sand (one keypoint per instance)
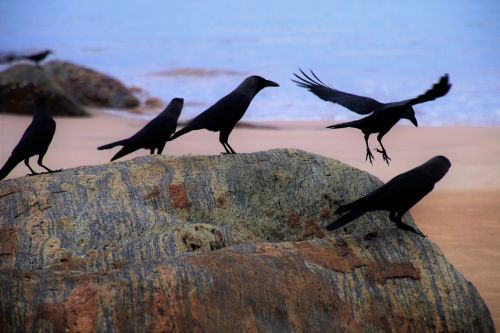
(462, 214)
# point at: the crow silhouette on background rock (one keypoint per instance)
(35, 140)
(223, 115)
(383, 116)
(36, 57)
(398, 195)
(152, 136)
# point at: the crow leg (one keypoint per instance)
(27, 162)
(383, 151)
(227, 151)
(223, 138)
(399, 223)
(40, 160)
(230, 148)
(369, 155)
(160, 149)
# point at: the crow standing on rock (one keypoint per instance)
(383, 116)
(35, 140)
(36, 57)
(398, 195)
(223, 115)
(152, 136)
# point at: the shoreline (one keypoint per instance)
(473, 151)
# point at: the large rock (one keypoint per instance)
(218, 244)
(90, 87)
(67, 87)
(21, 84)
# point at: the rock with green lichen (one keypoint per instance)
(225, 243)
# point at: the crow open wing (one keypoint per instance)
(355, 103)
(437, 90)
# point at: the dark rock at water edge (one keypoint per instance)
(21, 84)
(90, 87)
(67, 86)
(218, 244)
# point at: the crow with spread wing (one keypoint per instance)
(381, 116)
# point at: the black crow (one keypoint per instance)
(383, 116)
(37, 57)
(223, 115)
(398, 195)
(152, 136)
(35, 140)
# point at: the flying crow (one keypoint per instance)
(382, 116)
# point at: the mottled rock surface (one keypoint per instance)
(218, 244)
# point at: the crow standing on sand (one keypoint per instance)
(223, 115)
(383, 115)
(152, 136)
(398, 195)
(35, 140)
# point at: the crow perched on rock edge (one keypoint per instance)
(34, 57)
(37, 57)
(152, 136)
(382, 116)
(225, 113)
(35, 140)
(398, 195)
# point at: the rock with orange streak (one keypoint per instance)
(226, 243)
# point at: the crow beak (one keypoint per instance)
(271, 84)
(414, 121)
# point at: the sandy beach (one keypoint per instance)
(462, 214)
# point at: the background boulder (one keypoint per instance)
(67, 86)
(21, 84)
(218, 244)
(90, 87)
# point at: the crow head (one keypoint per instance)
(436, 167)
(410, 115)
(261, 83)
(41, 107)
(253, 84)
(174, 108)
(40, 102)
(178, 101)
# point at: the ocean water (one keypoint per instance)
(388, 50)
